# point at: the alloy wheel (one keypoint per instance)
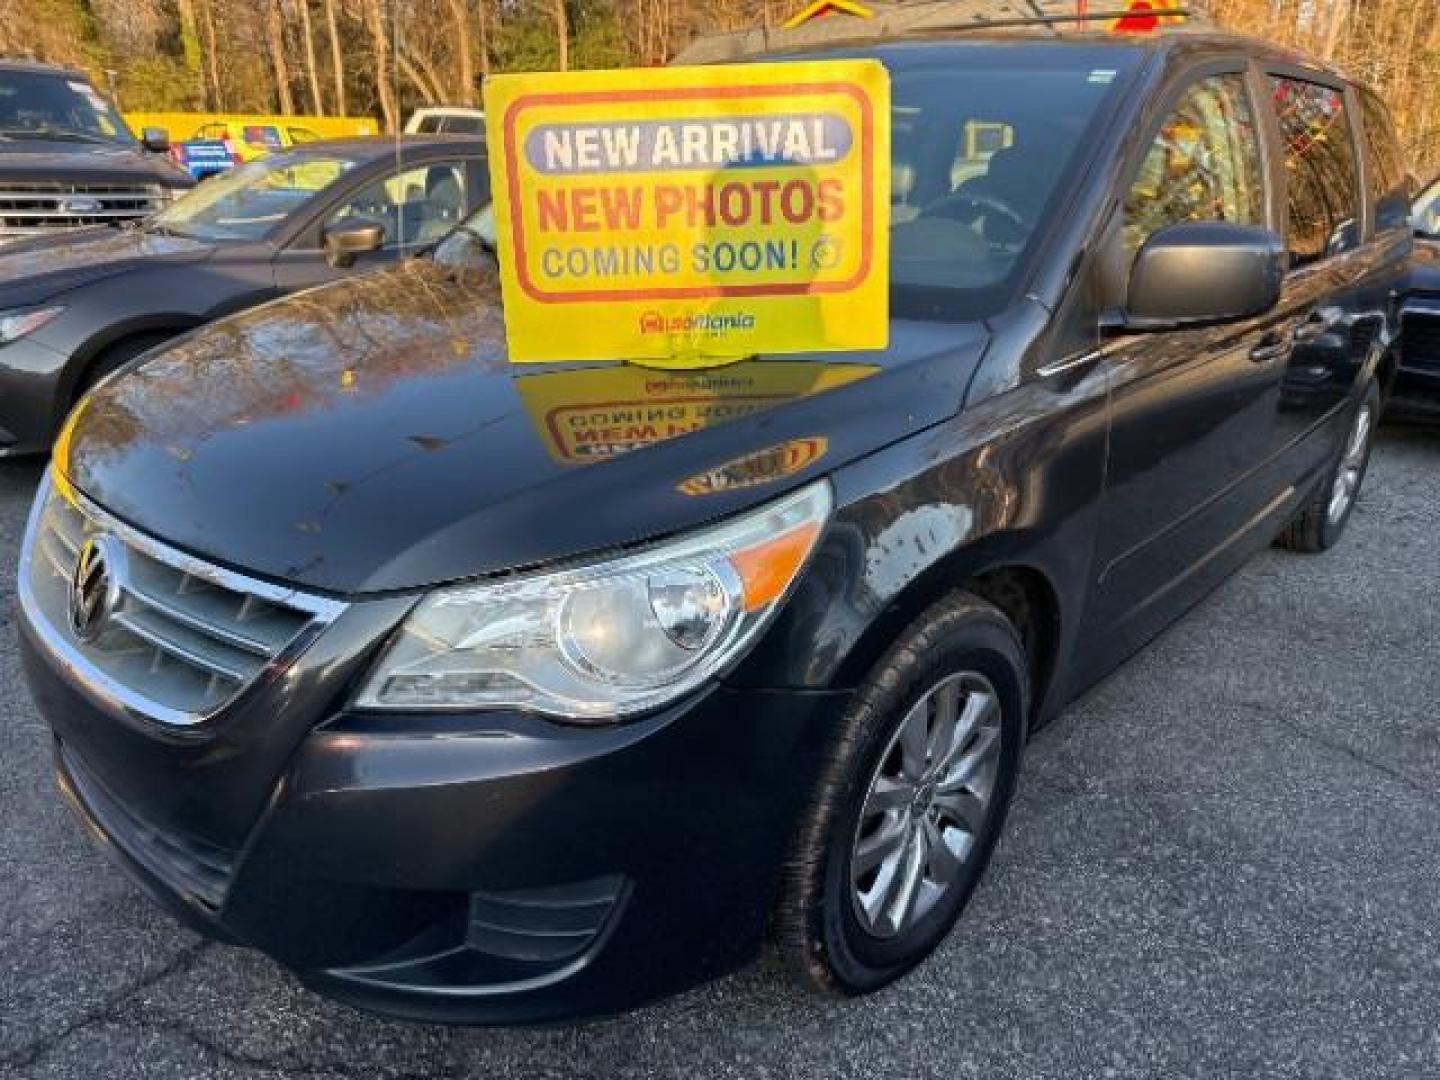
(1352, 465)
(927, 804)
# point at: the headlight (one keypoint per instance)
(21, 321)
(605, 640)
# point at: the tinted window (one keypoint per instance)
(462, 125)
(1205, 164)
(979, 153)
(415, 206)
(1320, 167)
(1386, 180)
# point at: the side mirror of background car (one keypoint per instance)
(156, 140)
(1201, 272)
(350, 237)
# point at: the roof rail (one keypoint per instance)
(1099, 18)
(901, 18)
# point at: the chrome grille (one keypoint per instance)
(30, 208)
(181, 639)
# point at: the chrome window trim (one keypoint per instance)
(110, 692)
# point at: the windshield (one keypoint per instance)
(981, 150)
(984, 139)
(248, 202)
(1427, 211)
(44, 105)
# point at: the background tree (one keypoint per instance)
(384, 57)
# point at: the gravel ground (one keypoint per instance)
(1223, 863)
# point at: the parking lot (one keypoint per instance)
(1224, 862)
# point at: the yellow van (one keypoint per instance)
(251, 135)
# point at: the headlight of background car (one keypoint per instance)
(608, 639)
(21, 321)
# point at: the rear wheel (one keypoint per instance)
(910, 802)
(1321, 522)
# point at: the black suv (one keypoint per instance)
(67, 158)
(492, 693)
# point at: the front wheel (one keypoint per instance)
(1321, 522)
(910, 802)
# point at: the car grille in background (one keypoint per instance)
(183, 640)
(1420, 342)
(30, 208)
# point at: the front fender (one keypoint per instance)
(1013, 483)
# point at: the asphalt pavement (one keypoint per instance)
(1224, 862)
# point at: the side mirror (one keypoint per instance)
(155, 139)
(350, 237)
(1201, 272)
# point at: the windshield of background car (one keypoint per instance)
(985, 139)
(247, 202)
(44, 105)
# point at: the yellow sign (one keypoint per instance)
(762, 467)
(821, 8)
(1147, 16)
(589, 416)
(690, 216)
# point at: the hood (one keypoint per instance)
(36, 269)
(36, 160)
(372, 435)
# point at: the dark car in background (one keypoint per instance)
(77, 306)
(1417, 391)
(472, 691)
(68, 160)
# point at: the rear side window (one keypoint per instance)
(1320, 169)
(1386, 181)
(1204, 165)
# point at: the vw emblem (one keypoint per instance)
(95, 586)
(81, 205)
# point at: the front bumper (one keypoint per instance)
(495, 868)
(30, 400)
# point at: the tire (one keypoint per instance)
(115, 357)
(832, 926)
(1322, 520)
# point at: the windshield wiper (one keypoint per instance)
(54, 133)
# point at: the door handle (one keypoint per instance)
(1273, 346)
(1316, 326)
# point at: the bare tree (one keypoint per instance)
(275, 43)
(460, 17)
(381, 54)
(337, 57)
(562, 32)
(312, 68)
